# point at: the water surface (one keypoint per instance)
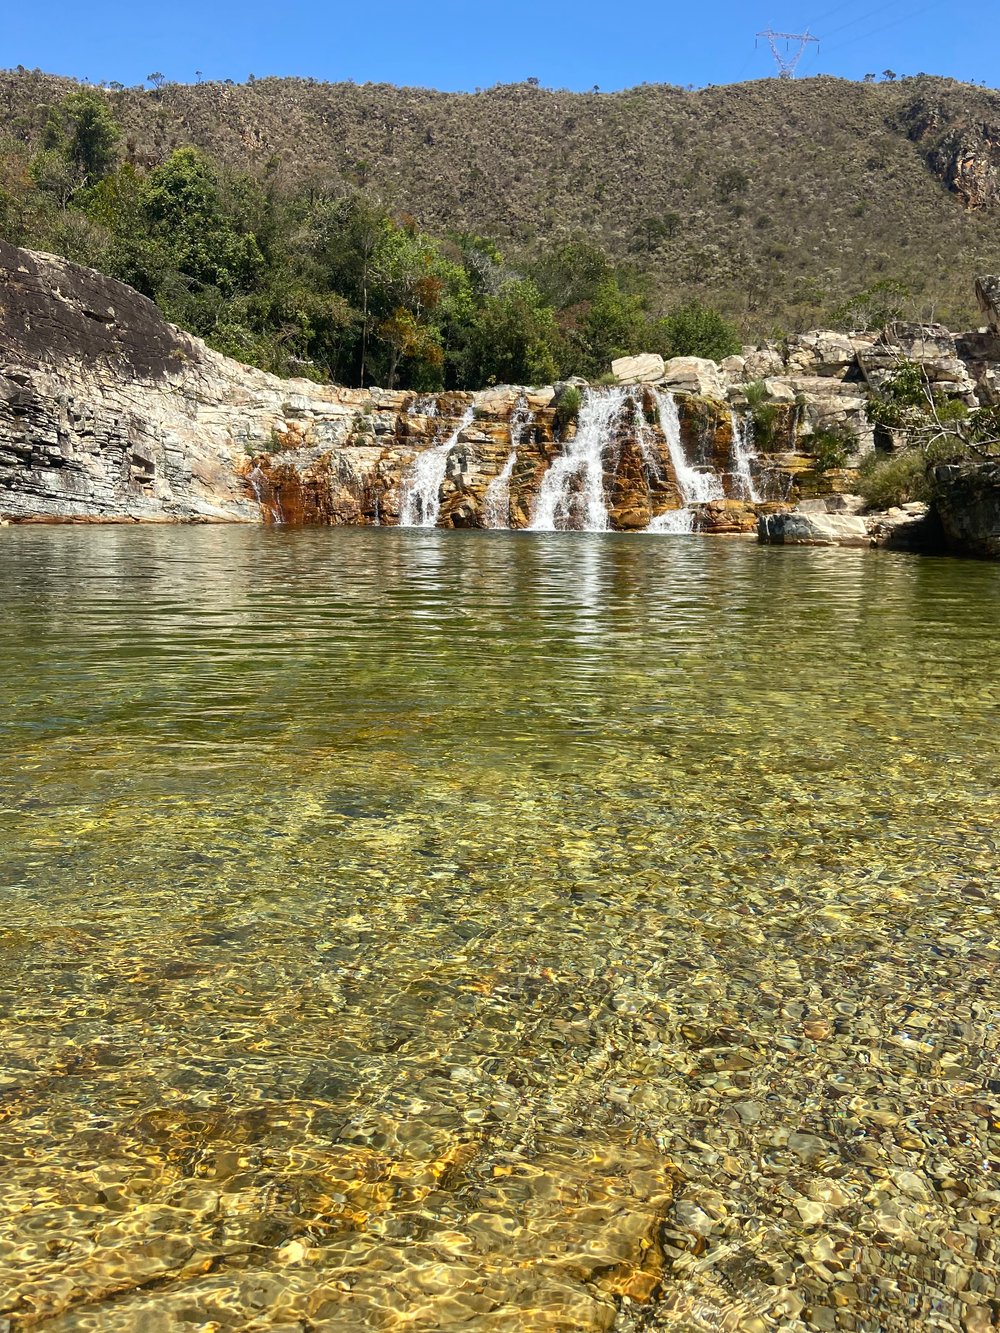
(425, 930)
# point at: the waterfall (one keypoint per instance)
(675, 522)
(573, 487)
(645, 438)
(420, 501)
(425, 406)
(697, 486)
(273, 507)
(743, 455)
(496, 502)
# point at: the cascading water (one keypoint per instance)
(696, 485)
(425, 406)
(573, 487)
(676, 522)
(496, 502)
(645, 438)
(743, 455)
(420, 501)
(273, 507)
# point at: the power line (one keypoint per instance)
(830, 13)
(894, 23)
(863, 18)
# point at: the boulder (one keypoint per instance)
(821, 353)
(981, 354)
(646, 368)
(988, 296)
(694, 374)
(779, 391)
(798, 528)
(832, 504)
(908, 527)
(968, 504)
(761, 362)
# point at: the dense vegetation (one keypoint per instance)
(928, 428)
(328, 287)
(420, 238)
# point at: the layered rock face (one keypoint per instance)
(969, 507)
(108, 413)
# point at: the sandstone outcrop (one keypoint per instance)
(108, 413)
(930, 346)
(968, 502)
(988, 296)
(694, 374)
(646, 368)
(838, 521)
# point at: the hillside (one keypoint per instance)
(775, 200)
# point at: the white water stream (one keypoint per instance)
(572, 491)
(743, 455)
(420, 501)
(496, 502)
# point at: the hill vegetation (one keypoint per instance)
(370, 232)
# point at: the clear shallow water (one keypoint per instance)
(486, 931)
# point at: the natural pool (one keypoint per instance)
(438, 931)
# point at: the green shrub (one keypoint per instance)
(896, 479)
(832, 447)
(568, 407)
(763, 414)
(693, 329)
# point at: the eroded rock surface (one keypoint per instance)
(968, 501)
(110, 414)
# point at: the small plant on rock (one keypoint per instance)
(568, 407)
(764, 415)
(832, 447)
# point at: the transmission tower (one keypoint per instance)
(787, 62)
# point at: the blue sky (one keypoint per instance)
(461, 44)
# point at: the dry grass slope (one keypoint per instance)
(773, 200)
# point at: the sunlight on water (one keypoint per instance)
(494, 931)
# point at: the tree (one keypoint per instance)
(613, 325)
(511, 339)
(349, 233)
(872, 308)
(79, 146)
(156, 79)
(693, 329)
(184, 209)
(93, 135)
(408, 338)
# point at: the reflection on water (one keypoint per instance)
(419, 930)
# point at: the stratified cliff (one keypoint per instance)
(110, 414)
